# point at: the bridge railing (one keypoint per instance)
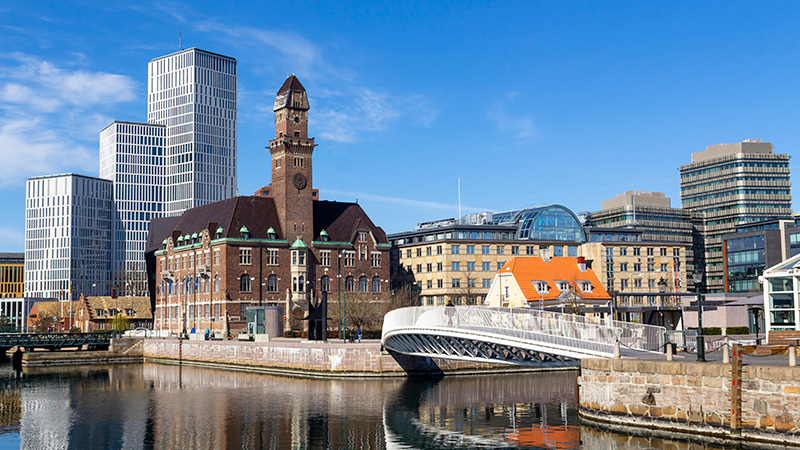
(547, 326)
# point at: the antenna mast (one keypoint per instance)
(180, 36)
(459, 200)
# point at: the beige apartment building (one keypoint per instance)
(456, 259)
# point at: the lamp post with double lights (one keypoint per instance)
(697, 275)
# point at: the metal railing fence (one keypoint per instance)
(569, 330)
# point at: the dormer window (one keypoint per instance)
(245, 232)
(299, 257)
(541, 286)
(164, 244)
(586, 286)
(362, 236)
(323, 236)
(218, 233)
(562, 285)
(271, 233)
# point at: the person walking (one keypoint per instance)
(358, 333)
(450, 312)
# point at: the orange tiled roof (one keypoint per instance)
(527, 269)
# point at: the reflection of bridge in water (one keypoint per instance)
(520, 336)
(498, 411)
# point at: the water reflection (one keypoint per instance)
(166, 407)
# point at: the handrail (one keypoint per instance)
(579, 332)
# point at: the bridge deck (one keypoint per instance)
(55, 341)
(512, 335)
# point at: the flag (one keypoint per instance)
(196, 283)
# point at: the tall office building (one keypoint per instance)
(183, 157)
(731, 184)
(132, 157)
(193, 93)
(68, 223)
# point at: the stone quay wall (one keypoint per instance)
(304, 358)
(693, 398)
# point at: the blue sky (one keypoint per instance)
(529, 103)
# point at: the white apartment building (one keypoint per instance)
(68, 224)
(132, 157)
(193, 93)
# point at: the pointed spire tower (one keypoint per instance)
(291, 152)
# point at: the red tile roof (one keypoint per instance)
(527, 269)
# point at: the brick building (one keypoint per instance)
(279, 247)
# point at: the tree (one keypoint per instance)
(468, 289)
(120, 322)
(43, 322)
(366, 310)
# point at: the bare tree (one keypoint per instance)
(468, 289)
(43, 322)
(366, 310)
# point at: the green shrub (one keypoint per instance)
(737, 330)
(712, 331)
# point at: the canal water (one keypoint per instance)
(171, 407)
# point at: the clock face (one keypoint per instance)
(299, 180)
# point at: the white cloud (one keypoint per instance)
(518, 125)
(27, 148)
(404, 201)
(50, 116)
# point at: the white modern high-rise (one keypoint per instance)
(132, 157)
(193, 93)
(68, 223)
(183, 157)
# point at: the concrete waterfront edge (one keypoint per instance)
(297, 358)
(692, 398)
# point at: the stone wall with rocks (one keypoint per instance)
(292, 356)
(693, 398)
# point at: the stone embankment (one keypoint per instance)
(304, 358)
(693, 398)
(121, 351)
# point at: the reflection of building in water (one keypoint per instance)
(204, 408)
(10, 409)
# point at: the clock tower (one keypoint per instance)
(291, 152)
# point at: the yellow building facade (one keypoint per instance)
(12, 275)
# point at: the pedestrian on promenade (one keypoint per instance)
(450, 312)
(208, 333)
(358, 333)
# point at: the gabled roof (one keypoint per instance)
(527, 269)
(291, 83)
(140, 306)
(257, 214)
(784, 266)
(53, 308)
(341, 220)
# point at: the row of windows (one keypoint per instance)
(201, 285)
(637, 251)
(637, 267)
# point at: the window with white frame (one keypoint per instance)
(245, 256)
(376, 259)
(541, 286)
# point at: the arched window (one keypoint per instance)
(376, 284)
(216, 283)
(272, 283)
(294, 284)
(325, 284)
(349, 284)
(206, 282)
(363, 286)
(169, 286)
(244, 283)
(301, 283)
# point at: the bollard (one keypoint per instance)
(725, 355)
(669, 351)
(616, 350)
(792, 356)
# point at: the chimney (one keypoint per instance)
(582, 263)
(545, 252)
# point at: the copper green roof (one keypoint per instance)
(220, 230)
(194, 235)
(244, 229)
(180, 238)
(271, 230)
(298, 244)
(164, 242)
(323, 233)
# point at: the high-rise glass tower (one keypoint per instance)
(731, 184)
(193, 93)
(132, 157)
(68, 222)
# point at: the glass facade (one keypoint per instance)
(547, 223)
(746, 260)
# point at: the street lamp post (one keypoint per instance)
(701, 344)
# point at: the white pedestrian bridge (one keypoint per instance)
(520, 336)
